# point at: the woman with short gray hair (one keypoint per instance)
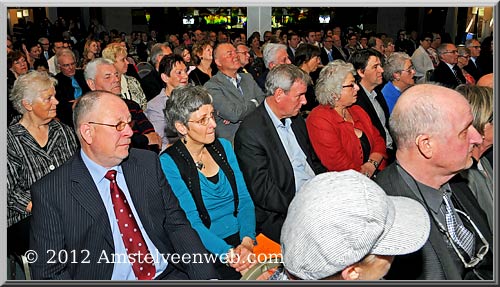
(398, 72)
(341, 133)
(37, 144)
(205, 177)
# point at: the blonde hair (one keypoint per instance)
(112, 50)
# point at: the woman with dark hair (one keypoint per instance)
(256, 56)
(206, 178)
(308, 59)
(17, 65)
(203, 58)
(173, 73)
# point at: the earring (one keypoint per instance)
(184, 139)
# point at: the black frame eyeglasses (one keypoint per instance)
(349, 86)
(206, 120)
(120, 126)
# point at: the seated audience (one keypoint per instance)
(342, 226)
(341, 133)
(207, 180)
(480, 174)
(37, 143)
(398, 72)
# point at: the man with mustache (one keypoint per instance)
(101, 74)
(432, 126)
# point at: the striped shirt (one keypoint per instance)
(27, 162)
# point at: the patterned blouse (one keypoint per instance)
(27, 162)
(132, 90)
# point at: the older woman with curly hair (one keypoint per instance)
(399, 73)
(131, 88)
(36, 145)
(341, 133)
(480, 175)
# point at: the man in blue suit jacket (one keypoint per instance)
(74, 228)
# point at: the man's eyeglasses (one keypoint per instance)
(475, 47)
(464, 56)
(67, 65)
(120, 126)
(480, 253)
(204, 121)
(450, 52)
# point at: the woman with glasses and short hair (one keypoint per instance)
(480, 175)
(398, 72)
(421, 58)
(341, 133)
(205, 177)
(463, 60)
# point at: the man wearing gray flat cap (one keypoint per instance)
(343, 226)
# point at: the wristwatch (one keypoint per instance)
(374, 162)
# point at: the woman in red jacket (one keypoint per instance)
(341, 133)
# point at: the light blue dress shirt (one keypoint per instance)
(302, 171)
(121, 270)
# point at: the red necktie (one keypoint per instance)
(138, 253)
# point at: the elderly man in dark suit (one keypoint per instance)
(235, 94)
(434, 132)
(70, 85)
(447, 71)
(273, 148)
(109, 212)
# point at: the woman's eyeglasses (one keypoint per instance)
(204, 121)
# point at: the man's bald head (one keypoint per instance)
(423, 109)
(486, 81)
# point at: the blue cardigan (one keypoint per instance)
(219, 202)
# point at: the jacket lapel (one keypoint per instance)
(86, 193)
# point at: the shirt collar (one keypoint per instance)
(276, 121)
(97, 171)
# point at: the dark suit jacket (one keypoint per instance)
(291, 55)
(267, 170)
(66, 93)
(152, 84)
(474, 70)
(337, 55)
(324, 57)
(442, 74)
(68, 214)
(364, 102)
(436, 260)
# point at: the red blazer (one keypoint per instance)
(335, 142)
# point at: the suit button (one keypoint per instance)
(52, 167)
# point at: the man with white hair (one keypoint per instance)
(274, 54)
(435, 136)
